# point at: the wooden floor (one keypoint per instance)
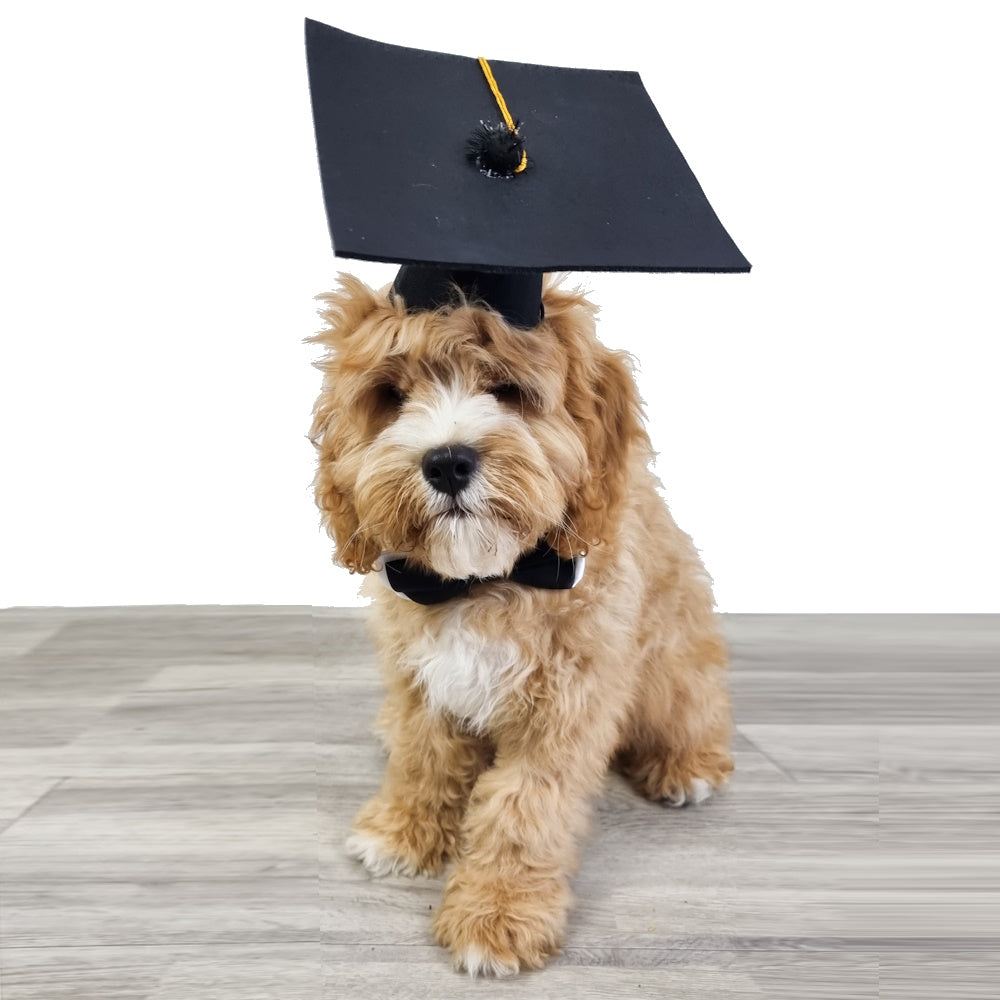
(177, 784)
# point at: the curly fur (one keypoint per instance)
(504, 708)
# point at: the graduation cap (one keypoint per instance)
(483, 176)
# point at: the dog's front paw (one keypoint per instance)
(395, 839)
(498, 929)
(378, 857)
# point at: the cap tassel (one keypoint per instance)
(498, 150)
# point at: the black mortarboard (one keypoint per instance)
(418, 168)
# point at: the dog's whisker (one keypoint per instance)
(570, 533)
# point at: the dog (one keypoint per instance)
(453, 444)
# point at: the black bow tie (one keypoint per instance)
(542, 567)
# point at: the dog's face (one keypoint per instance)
(453, 439)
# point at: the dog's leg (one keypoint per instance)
(505, 904)
(412, 825)
(676, 746)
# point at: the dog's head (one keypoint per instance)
(460, 442)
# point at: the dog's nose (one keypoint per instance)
(450, 469)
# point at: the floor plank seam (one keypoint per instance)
(781, 770)
(59, 782)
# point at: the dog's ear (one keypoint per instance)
(337, 511)
(336, 430)
(603, 400)
(344, 311)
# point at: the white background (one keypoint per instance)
(827, 425)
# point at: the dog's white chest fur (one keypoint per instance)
(464, 673)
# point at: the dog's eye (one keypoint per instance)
(508, 392)
(391, 395)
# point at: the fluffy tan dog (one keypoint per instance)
(506, 704)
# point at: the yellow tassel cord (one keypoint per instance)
(502, 104)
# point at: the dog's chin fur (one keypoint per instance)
(461, 546)
(504, 707)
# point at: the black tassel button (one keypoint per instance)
(496, 150)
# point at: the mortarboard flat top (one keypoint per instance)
(605, 188)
